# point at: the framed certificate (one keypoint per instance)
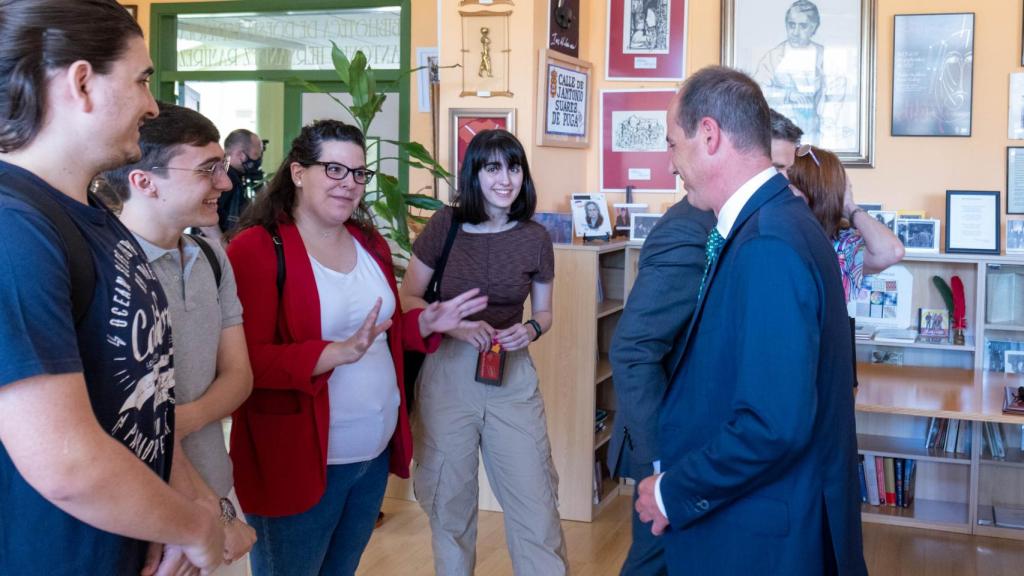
(1015, 179)
(972, 222)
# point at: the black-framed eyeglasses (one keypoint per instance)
(338, 171)
(805, 150)
(216, 169)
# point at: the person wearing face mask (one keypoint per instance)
(244, 150)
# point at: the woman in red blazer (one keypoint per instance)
(326, 421)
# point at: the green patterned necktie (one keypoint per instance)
(711, 250)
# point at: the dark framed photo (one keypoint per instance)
(972, 222)
(467, 122)
(646, 40)
(815, 63)
(1015, 179)
(641, 226)
(932, 74)
(918, 235)
(634, 124)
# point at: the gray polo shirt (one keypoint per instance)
(198, 315)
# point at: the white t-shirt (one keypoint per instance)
(364, 395)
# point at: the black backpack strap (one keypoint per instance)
(81, 268)
(433, 292)
(279, 251)
(211, 257)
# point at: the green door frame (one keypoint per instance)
(163, 36)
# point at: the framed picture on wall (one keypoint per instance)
(563, 101)
(634, 124)
(485, 53)
(932, 74)
(466, 123)
(972, 222)
(814, 60)
(646, 40)
(1015, 179)
(1015, 122)
(564, 26)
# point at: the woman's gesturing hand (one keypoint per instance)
(448, 315)
(353, 348)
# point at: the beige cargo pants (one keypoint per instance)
(455, 418)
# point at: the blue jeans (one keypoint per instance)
(330, 537)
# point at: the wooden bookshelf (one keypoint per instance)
(913, 448)
(933, 514)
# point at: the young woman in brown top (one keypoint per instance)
(498, 249)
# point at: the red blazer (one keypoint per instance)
(279, 434)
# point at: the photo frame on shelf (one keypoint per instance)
(932, 74)
(634, 124)
(822, 77)
(646, 40)
(563, 101)
(558, 225)
(972, 222)
(918, 235)
(1015, 179)
(1015, 236)
(590, 215)
(466, 122)
(624, 215)
(485, 53)
(885, 217)
(640, 226)
(564, 27)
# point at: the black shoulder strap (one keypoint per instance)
(211, 257)
(81, 268)
(433, 292)
(279, 251)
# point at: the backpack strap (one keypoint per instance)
(279, 251)
(211, 257)
(433, 292)
(81, 268)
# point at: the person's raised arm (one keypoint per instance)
(881, 247)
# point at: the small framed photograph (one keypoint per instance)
(932, 74)
(972, 222)
(467, 122)
(918, 236)
(885, 217)
(933, 323)
(624, 215)
(563, 100)
(634, 124)
(590, 215)
(1015, 236)
(1013, 362)
(646, 40)
(870, 207)
(558, 225)
(915, 214)
(641, 225)
(1015, 179)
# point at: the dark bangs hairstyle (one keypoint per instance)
(276, 201)
(160, 139)
(821, 177)
(486, 147)
(40, 37)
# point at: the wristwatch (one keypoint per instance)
(227, 511)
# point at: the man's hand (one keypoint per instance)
(647, 506)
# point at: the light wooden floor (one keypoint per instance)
(401, 547)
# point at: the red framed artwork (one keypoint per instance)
(634, 124)
(466, 123)
(646, 39)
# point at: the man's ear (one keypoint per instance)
(141, 182)
(78, 80)
(710, 134)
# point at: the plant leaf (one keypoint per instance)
(341, 63)
(423, 202)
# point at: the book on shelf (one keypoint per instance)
(598, 482)
(948, 435)
(871, 479)
(1006, 516)
(897, 465)
(890, 482)
(863, 484)
(963, 438)
(880, 479)
(910, 474)
(1013, 400)
(994, 441)
(896, 335)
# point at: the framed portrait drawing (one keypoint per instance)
(646, 40)
(590, 215)
(563, 101)
(485, 50)
(564, 26)
(932, 74)
(466, 123)
(814, 60)
(972, 222)
(634, 124)
(1015, 180)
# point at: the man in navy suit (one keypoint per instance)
(660, 306)
(757, 439)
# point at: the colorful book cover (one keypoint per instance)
(890, 482)
(898, 470)
(909, 473)
(880, 474)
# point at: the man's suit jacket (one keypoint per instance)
(660, 306)
(757, 436)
